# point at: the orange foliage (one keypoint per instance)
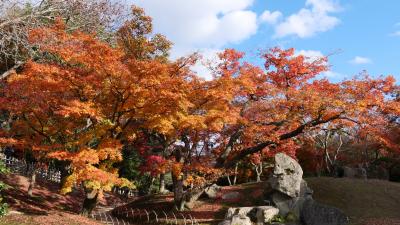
(84, 99)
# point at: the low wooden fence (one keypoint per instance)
(50, 174)
(24, 168)
(130, 216)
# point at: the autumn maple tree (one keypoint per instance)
(286, 99)
(85, 100)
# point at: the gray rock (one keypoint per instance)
(265, 214)
(354, 172)
(240, 220)
(212, 191)
(377, 172)
(235, 216)
(241, 211)
(394, 173)
(257, 214)
(287, 175)
(314, 213)
(287, 204)
(287, 190)
(192, 198)
(305, 191)
(231, 195)
(225, 222)
(287, 223)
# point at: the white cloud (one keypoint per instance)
(205, 26)
(208, 26)
(323, 5)
(210, 58)
(332, 74)
(270, 17)
(396, 33)
(313, 18)
(358, 60)
(312, 55)
(201, 24)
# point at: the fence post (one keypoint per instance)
(191, 219)
(176, 221)
(112, 221)
(25, 168)
(105, 217)
(184, 219)
(166, 217)
(133, 214)
(156, 215)
(148, 216)
(117, 220)
(195, 221)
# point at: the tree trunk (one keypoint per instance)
(90, 202)
(236, 170)
(178, 194)
(162, 183)
(192, 196)
(32, 182)
(65, 172)
(327, 162)
(258, 168)
(147, 189)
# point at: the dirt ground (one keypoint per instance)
(46, 206)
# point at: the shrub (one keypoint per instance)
(3, 206)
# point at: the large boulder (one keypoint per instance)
(286, 189)
(394, 173)
(377, 172)
(248, 215)
(240, 220)
(265, 214)
(212, 191)
(287, 204)
(231, 195)
(305, 190)
(241, 211)
(287, 175)
(354, 172)
(192, 198)
(314, 213)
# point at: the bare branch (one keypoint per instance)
(11, 71)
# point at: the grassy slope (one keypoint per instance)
(376, 201)
(47, 206)
(371, 202)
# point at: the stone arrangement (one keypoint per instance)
(290, 198)
(250, 215)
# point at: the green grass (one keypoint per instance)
(359, 199)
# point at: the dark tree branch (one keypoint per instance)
(11, 70)
(248, 151)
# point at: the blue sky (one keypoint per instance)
(357, 34)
